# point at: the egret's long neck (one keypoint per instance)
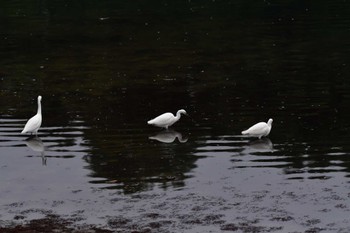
(269, 123)
(178, 116)
(39, 107)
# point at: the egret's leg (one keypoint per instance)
(43, 159)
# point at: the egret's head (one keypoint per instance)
(39, 98)
(270, 121)
(182, 111)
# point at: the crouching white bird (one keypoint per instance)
(259, 130)
(34, 123)
(166, 119)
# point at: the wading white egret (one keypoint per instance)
(166, 119)
(34, 123)
(259, 130)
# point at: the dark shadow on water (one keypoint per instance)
(134, 163)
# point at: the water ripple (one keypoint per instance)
(295, 159)
(54, 141)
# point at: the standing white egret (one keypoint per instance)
(259, 130)
(166, 119)
(34, 123)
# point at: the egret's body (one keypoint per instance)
(34, 123)
(166, 119)
(259, 130)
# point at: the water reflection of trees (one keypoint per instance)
(134, 163)
(298, 159)
(310, 159)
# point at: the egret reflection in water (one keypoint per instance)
(169, 136)
(259, 145)
(37, 145)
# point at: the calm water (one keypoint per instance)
(105, 68)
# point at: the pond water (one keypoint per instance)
(105, 68)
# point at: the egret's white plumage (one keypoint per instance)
(259, 130)
(166, 119)
(34, 123)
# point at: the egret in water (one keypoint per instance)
(34, 123)
(259, 130)
(166, 119)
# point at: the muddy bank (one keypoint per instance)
(53, 223)
(261, 211)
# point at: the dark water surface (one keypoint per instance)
(105, 68)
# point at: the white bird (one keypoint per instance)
(166, 119)
(34, 123)
(259, 130)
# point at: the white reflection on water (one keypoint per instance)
(260, 145)
(37, 145)
(169, 136)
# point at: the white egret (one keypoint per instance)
(259, 130)
(34, 123)
(166, 119)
